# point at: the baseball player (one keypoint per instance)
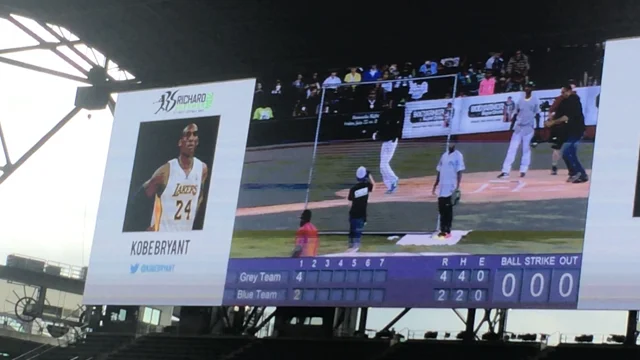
(389, 132)
(359, 197)
(449, 178)
(527, 112)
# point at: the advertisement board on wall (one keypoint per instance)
(517, 236)
(484, 114)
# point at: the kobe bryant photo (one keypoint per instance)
(171, 175)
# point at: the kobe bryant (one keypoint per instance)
(177, 186)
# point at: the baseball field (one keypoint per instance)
(540, 213)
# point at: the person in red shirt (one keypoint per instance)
(306, 237)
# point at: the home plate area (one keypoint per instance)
(429, 239)
(432, 239)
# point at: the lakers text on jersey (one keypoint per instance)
(175, 209)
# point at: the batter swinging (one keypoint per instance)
(527, 111)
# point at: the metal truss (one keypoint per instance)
(74, 52)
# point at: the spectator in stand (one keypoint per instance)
(300, 110)
(353, 76)
(258, 90)
(428, 68)
(401, 88)
(487, 85)
(495, 64)
(418, 89)
(332, 81)
(313, 100)
(372, 75)
(384, 89)
(277, 88)
(298, 83)
(371, 103)
(518, 65)
(393, 71)
(263, 113)
(315, 81)
(515, 83)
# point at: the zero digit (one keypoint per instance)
(536, 287)
(566, 281)
(508, 283)
(478, 295)
(480, 276)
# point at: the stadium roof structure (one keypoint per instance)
(165, 42)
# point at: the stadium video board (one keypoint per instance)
(207, 200)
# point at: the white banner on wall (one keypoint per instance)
(481, 114)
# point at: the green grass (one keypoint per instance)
(257, 244)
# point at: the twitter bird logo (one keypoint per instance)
(134, 268)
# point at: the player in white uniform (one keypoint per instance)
(389, 132)
(177, 187)
(527, 110)
(449, 177)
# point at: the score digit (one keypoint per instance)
(299, 276)
(297, 294)
(441, 295)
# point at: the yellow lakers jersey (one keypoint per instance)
(175, 209)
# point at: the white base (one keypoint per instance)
(432, 239)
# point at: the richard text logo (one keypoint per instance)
(174, 101)
(151, 268)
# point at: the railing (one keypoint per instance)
(66, 270)
(38, 351)
(570, 338)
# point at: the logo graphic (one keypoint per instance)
(134, 268)
(487, 109)
(430, 115)
(151, 268)
(173, 101)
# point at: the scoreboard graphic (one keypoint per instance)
(515, 281)
(264, 214)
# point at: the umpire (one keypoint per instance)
(359, 197)
(389, 132)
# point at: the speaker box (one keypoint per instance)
(92, 97)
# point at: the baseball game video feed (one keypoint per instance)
(383, 194)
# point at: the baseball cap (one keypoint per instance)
(361, 173)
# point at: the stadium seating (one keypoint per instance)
(167, 347)
(594, 351)
(457, 350)
(313, 349)
(91, 346)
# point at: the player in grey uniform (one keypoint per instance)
(527, 111)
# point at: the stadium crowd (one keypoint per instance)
(497, 73)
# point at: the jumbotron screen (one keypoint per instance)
(441, 185)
